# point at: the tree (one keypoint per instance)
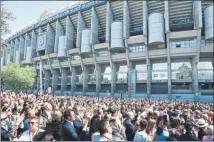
(5, 17)
(17, 78)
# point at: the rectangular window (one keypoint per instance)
(182, 43)
(155, 75)
(162, 75)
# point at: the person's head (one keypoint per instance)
(143, 124)
(34, 123)
(56, 116)
(105, 128)
(129, 115)
(210, 130)
(100, 111)
(6, 110)
(69, 115)
(151, 125)
(174, 122)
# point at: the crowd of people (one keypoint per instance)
(27, 117)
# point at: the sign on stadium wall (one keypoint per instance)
(41, 42)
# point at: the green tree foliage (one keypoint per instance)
(17, 78)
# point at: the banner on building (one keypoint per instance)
(41, 42)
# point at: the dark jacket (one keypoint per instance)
(69, 132)
(201, 134)
(129, 129)
(78, 125)
(56, 129)
(188, 136)
(5, 135)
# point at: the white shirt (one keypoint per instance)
(141, 136)
(28, 136)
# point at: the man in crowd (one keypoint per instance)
(82, 118)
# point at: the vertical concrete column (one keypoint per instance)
(64, 78)
(113, 78)
(98, 79)
(80, 27)
(85, 79)
(59, 32)
(69, 35)
(129, 79)
(166, 15)
(8, 53)
(73, 80)
(34, 43)
(197, 14)
(109, 20)
(195, 77)
(17, 51)
(12, 47)
(21, 48)
(27, 44)
(50, 40)
(169, 72)
(47, 74)
(55, 79)
(149, 77)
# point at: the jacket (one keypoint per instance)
(129, 129)
(188, 136)
(69, 132)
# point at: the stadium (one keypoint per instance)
(144, 49)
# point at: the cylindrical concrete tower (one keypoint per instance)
(117, 35)
(156, 28)
(85, 42)
(208, 22)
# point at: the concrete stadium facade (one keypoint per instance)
(148, 49)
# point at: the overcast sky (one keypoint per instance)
(29, 11)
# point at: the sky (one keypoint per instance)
(29, 11)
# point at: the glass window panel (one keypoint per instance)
(121, 77)
(202, 43)
(177, 66)
(107, 70)
(159, 66)
(123, 69)
(107, 77)
(159, 75)
(141, 67)
(211, 42)
(186, 43)
(205, 74)
(205, 65)
(141, 76)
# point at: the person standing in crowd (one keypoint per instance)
(34, 129)
(189, 135)
(141, 134)
(201, 125)
(69, 132)
(129, 126)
